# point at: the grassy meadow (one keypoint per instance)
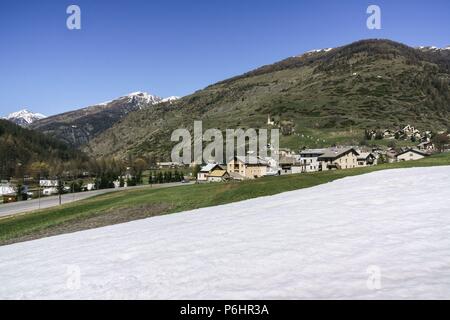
(122, 206)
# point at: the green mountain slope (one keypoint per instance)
(328, 97)
(19, 147)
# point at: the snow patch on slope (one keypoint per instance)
(320, 242)
(170, 99)
(138, 97)
(24, 117)
(320, 50)
(314, 51)
(432, 48)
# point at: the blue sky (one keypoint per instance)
(177, 47)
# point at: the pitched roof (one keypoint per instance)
(288, 160)
(336, 153)
(415, 151)
(313, 151)
(217, 173)
(365, 155)
(424, 143)
(209, 167)
(251, 160)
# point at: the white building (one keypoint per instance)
(202, 175)
(411, 154)
(6, 188)
(309, 159)
(49, 191)
(48, 183)
(426, 146)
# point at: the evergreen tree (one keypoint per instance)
(150, 178)
(196, 170)
(160, 177)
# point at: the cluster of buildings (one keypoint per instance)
(406, 133)
(307, 160)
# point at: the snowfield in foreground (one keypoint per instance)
(380, 235)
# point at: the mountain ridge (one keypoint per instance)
(78, 127)
(367, 84)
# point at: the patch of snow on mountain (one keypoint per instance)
(144, 97)
(384, 235)
(24, 117)
(138, 97)
(320, 50)
(315, 51)
(170, 99)
(432, 48)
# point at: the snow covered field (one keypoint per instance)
(381, 235)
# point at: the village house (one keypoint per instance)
(168, 165)
(411, 154)
(338, 158)
(309, 159)
(366, 159)
(218, 175)
(289, 164)
(283, 152)
(426, 146)
(205, 171)
(390, 155)
(250, 167)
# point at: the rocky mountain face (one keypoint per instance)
(328, 95)
(24, 117)
(78, 127)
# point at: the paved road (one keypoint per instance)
(53, 201)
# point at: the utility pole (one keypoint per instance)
(39, 191)
(59, 190)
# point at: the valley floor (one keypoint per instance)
(380, 235)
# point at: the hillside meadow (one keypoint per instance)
(123, 206)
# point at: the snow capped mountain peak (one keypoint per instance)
(432, 48)
(170, 99)
(428, 48)
(316, 51)
(24, 117)
(138, 96)
(143, 97)
(320, 50)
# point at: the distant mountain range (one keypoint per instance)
(83, 124)
(327, 95)
(78, 127)
(24, 117)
